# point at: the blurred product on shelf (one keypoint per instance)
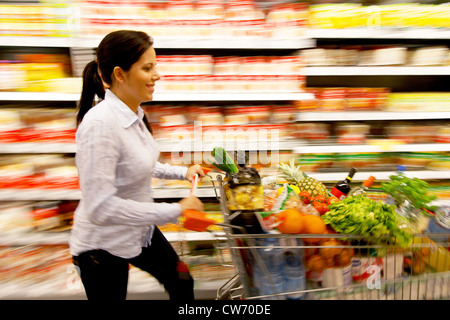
(418, 102)
(355, 15)
(419, 133)
(231, 83)
(338, 162)
(430, 56)
(51, 125)
(340, 99)
(185, 64)
(38, 18)
(34, 264)
(38, 73)
(196, 19)
(228, 123)
(352, 132)
(236, 19)
(370, 56)
(22, 217)
(38, 172)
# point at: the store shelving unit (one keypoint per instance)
(140, 287)
(164, 96)
(208, 289)
(380, 33)
(176, 43)
(370, 115)
(377, 71)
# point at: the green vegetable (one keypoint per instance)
(359, 215)
(223, 161)
(416, 191)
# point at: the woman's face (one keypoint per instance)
(141, 78)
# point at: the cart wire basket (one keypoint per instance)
(331, 266)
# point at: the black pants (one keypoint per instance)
(105, 276)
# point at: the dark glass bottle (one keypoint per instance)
(342, 188)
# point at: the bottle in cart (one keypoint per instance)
(362, 188)
(294, 279)
(342, 188)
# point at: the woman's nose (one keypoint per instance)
(156, 76)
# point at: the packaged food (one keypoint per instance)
(333, 99)
(244, 190)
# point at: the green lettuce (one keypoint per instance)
(361, 216)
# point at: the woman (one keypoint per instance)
(115, 221)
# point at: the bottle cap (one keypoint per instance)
(369, 181)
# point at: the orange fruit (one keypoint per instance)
(328, 251)
(315, 263)
(313, 225)
(309, 252)
(344, 258)
(291, 221)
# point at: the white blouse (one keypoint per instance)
(116, 159)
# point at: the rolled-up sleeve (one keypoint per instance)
(97, 156)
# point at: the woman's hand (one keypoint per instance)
(191, 202)
(195, 169)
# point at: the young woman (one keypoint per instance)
(115, 221)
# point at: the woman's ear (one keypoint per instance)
(119, 74)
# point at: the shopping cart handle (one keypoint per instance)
(206, 170)
(196, 220)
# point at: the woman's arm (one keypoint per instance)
(96, 158)
(167, 171)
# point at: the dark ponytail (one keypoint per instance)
(92, 86)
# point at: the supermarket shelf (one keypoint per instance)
(36, 41)
(375, 71)
(161, 43)
(382, 147)
(205, 192)
(381, 175)
(294, 145)
(192, 146)
(58, 238)
(235, 43)
(67, 287)
(57, 194)
(168, 193)
(39, 194)
(232, 96)
(165, 146)
(37, 147)
(38, 96)
(167, 96)
(369, 115)
(379, 33)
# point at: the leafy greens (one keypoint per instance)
(359, 215)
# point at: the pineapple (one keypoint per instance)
(295, 176)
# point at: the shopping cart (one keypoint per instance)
(279, 267)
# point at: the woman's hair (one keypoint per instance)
(120, 48)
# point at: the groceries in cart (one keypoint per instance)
(299, 241)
